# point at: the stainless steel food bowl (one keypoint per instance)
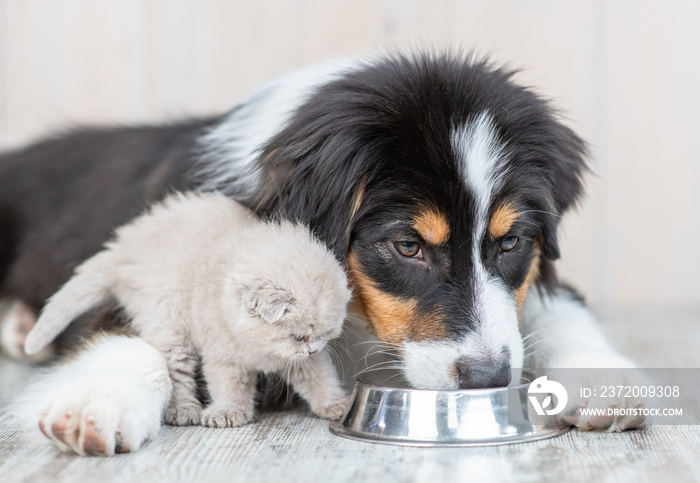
(472, 417)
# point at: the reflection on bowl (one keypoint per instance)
(470, 417)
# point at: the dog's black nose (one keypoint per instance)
(474, 374)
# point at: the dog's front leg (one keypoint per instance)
(110, 398)
(564, 338)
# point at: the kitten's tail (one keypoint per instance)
(89, 287)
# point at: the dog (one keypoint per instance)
(436, 179)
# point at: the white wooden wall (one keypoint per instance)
(625, 72)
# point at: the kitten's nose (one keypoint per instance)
(475, 374)
(312, 351)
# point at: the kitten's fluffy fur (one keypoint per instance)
(201, 278)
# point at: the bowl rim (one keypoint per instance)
(534, 432)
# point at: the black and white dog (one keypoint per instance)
(437, 180)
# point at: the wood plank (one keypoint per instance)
(295, 446)
(203, 56)
(416, 23)
(653, 75)
(71, 62)
(336, 29)
(3, 74)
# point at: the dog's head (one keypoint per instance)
(441, 183)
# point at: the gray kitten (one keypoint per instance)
(200, 277)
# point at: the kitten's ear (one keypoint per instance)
(266, 300)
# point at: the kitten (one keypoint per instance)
(200, 278)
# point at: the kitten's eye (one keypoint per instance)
(301, 338)
(508, 243)
(409, 249)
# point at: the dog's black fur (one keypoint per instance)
(61, 199)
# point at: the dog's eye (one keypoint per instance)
(507, 244)
(408, 249)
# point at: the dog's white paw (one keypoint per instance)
(227, 416)
(601, 399)
(16, 321)
(100, 416)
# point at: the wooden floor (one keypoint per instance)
(292, 445)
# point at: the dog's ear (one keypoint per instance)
(550, 242)
(315, 175)
(324, 198)
(565, 167)
(266, 300)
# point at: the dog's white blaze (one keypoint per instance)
(230, 149)
(496, 323)
(432, 364)
(483, 160)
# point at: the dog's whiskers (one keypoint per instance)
(339, 345)
(378, 349)
(533, 344)
(383, 365)
(534, 333)
(379, 343)
(398, 374)
(527, 356)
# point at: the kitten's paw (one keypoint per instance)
(334, 410)
(92, 422)
(227, 416)
(183, 415)
(16, 320)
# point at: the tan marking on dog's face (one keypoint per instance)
(266, 159)
(391, 318)
(502, 220)
(278, 175)
(432, 226)
(532, 274)
(358, 195)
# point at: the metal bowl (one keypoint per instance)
(470, 417)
